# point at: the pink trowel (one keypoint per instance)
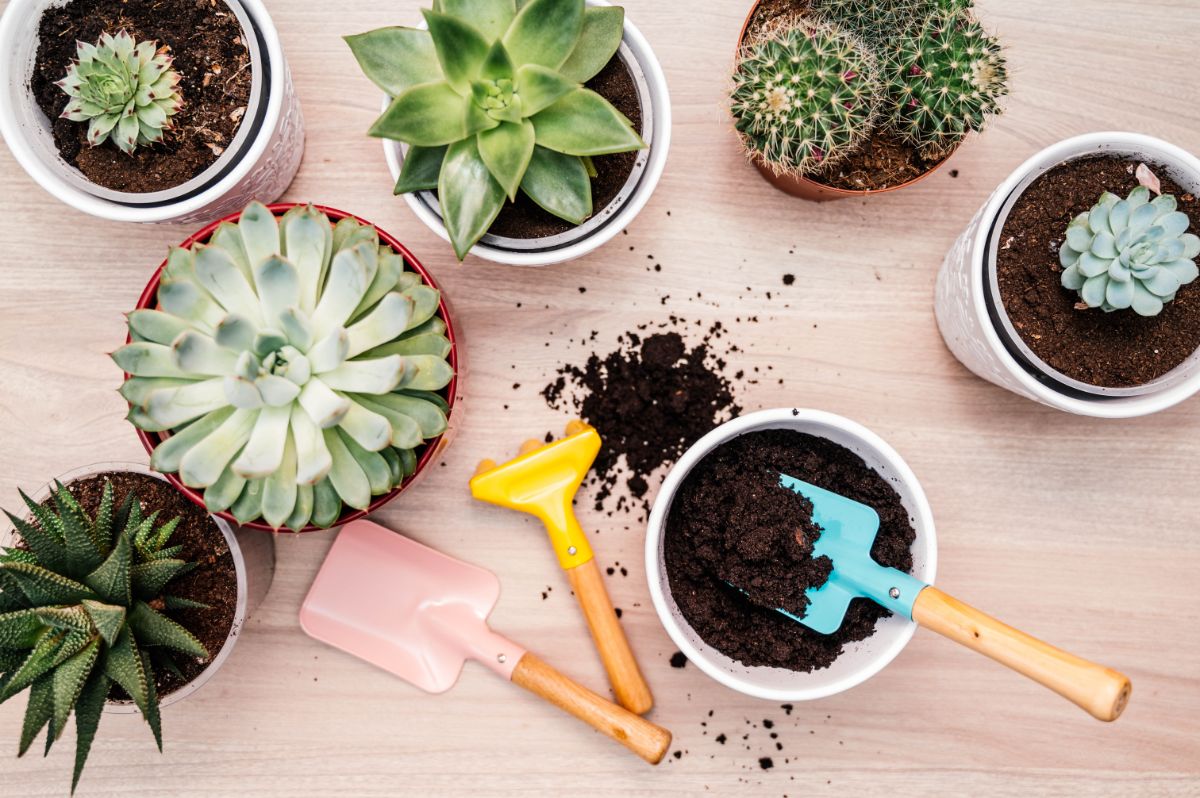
(421, 615)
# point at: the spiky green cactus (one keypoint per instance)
(123, 89)
(1129, 253)
(295, 361)
(805, 96)
(945, 77)
(880, 21)
(82, 609)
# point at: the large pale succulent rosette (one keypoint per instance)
(295, 364)
(1129, 253)
(490, 100)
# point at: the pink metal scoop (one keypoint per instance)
(421, 614)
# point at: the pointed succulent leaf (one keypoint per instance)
(366, 376)
(146, 359)
(603, 28)
(541, 87)
(374, 467)
(228, 236)
(219, 275)
(396, 59)
(327, 505)
(506, 150)
(302, 511)
(545, 32)
(387, 275)
(582, 122)
(425, 303)
(221, 495)
(429, 417)
(420, 169)
(346, 475)
(195, 353)
(349, 277)
(470, 197)
(157, 326)
(111, 581)
(402, 432)
(42, 586)
(324, 407)
(168, 454)
(204, 462)
(153, 717)
(427, 373)
(88, 709)
(428, 344)
(559, 184)
(173, 603)
(68, 682)
(151, 628)
(38, 711)
(313, 460)
(264, 450)
(47, 549)
(389, 318)
(279, 488)
(249, 504)
(428, 115)
(278, 284)
(369, 429)
(150, 578)
(106, 618)
(491, 17)
(260, 236)
(461, 48)
(122, 662)
(497, 65)
(173, 407)
(20, 629)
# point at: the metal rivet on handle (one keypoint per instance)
(894, 592)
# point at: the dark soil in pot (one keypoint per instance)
(205, 39)
(212, 582)
(884, 161)
(1115, 350)
(731, 522)
(525, 219)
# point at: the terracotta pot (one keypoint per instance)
(431, 448)
(805, 188)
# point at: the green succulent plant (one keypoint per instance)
(123, 89)
(83, 608)
(295, 363)
(945, 76)
(805, 96)
(879, 21)
(490, 101)
(1129, 253)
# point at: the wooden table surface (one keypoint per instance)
(1081, 531)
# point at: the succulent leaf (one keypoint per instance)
(599, 39)
(296, 320)
(559, 184)
(397, 58)
(1129, 253)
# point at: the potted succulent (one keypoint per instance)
(164, 111)
(294, 364)
(731, 638)
(117, 594)
(527, 133)
(841, 98)
(1075, 284)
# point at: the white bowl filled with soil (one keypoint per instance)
(524, 234)
(232, 574)
(237, 135)
(721, 519)
(1004, 312)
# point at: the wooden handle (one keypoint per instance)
(639, 735)
(626, 678)
(1101, 691)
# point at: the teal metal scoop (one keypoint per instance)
(848, 532)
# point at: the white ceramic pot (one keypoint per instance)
(976, 328)
(606, 222)
(860, 661)
(258, 164)
(253, 558)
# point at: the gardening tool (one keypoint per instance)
(848, 531)
(421, 615)
(542, 481)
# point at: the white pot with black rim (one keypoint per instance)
(977, 328)
(259, 161)
(643, 66)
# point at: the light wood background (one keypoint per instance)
(1077, 530)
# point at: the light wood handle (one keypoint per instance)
(639, 735)
(1101, 691)
(626, 678)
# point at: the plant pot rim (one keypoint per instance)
(431, 446)
(891, 634)
(807, 188)
(235, 551)
(1036, 382)
(250, 143)
(609, 221)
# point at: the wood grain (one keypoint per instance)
(1102, 692)
(624, 674)
(639, 735)
(1079, 531)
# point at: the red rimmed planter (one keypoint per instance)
(150, 440)
(806, 188)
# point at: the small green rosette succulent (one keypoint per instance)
(490, 101)
(84, 607)
(124, 90)
(295, 364)
(1129, 253)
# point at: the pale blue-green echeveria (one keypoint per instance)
(490, 101)
(1129, 253)
(85, 605)
(295, 363)
(123, 89)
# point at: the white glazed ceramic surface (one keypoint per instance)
(860, 661)
(259, 167)
(960, 304)
(253, 558)
(607, 222)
